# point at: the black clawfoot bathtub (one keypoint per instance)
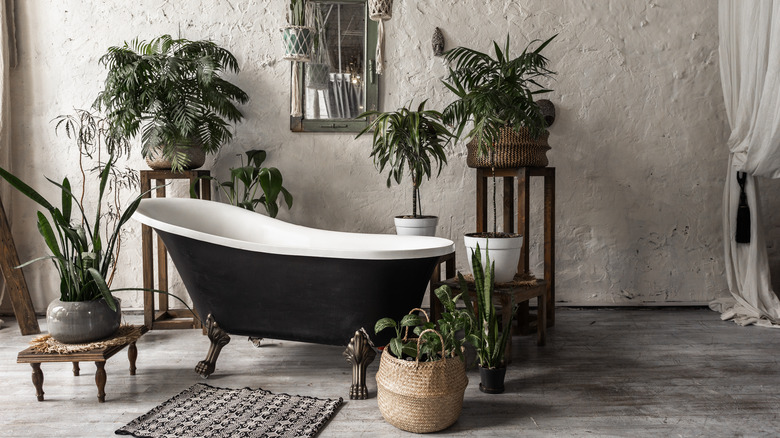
(264, 278)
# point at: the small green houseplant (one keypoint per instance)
(245, 181)
(483, 332)
(495, 98)
(172, 91)
(421, 381)
(409, 141)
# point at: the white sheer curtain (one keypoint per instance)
(7, 60)
(749, 34)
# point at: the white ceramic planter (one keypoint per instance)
(79, 322)
(416, 226)
(504, 252)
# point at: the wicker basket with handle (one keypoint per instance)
(420, 397)
(513, 149)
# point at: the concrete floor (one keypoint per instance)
(604, 372)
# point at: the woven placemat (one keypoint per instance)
(126, 334)
(519, 280)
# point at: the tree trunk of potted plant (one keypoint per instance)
(416, 224)
(505, 248)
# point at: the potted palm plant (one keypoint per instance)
(495, 98)
(171, 90)
(84, 247)
(414, 142)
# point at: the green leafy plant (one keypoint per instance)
(171, 90)
(296, 16)
(245, 181)
(451, 321)
(483, 332)
(82, 258)
(495, 94)
(85, 247)
(406, 140)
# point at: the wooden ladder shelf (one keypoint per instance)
(15, 283)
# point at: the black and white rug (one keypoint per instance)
(207, 411)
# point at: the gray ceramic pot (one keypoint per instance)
(78, 322)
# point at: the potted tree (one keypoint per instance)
(84, 247)
(495, 97)
(414, 142)
(171, 90)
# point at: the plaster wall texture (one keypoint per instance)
(639, 140)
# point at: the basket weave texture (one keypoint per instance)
(514, 149)
(420, 397)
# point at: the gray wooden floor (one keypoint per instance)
(604, 372)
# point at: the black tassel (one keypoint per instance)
(743, 212)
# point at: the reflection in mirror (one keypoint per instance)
(338, 83)
(334, 77)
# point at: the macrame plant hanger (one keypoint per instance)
(379, 11)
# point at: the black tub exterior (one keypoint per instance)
(298, 298)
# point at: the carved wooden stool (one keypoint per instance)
(97, 355)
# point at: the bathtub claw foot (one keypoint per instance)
(219, 338)
(360, 353)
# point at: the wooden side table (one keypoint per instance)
(160, 316)
(98, 355)
(523, 176)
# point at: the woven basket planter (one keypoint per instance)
(514, 149)
(317, 76)
(297, 43)
(380, 9)
(420, 397)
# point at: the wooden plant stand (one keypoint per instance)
(98, 355)
(160, 316)
(523, 176)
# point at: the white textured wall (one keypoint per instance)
(638, 142)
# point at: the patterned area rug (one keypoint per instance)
(207, 411)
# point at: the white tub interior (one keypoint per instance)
(226, 225)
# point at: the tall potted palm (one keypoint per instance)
(171, 90)
(495, 98)
(414, 142)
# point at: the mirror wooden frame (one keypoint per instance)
(371, 84)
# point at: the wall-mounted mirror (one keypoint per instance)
(340, 81)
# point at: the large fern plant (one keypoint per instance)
(171, 90)
(493, 93)
(408, 141)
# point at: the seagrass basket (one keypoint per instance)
(420, 397)
(513, 149)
